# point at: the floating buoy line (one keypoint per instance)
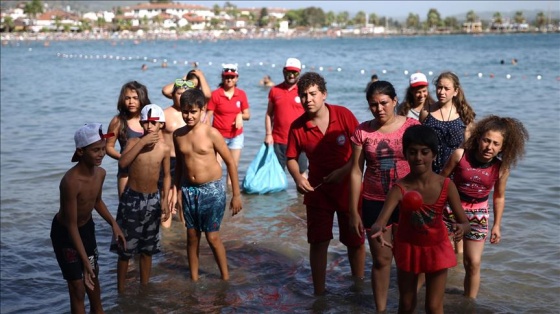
(165, 62)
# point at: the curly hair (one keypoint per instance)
(124, 114)
(465, 111)
(410, 99)
(514, 133)
(309, 79)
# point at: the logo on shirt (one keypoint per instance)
(297, 100)
(238, 104)
(341, 139)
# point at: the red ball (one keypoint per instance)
(412, 200)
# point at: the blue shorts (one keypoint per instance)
(139, 216)
(204, 205)
(67, 256)
(236, 142)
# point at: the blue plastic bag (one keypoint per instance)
(265, 175)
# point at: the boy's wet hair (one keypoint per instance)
(420, 135)
(192, 98)
(309, 79)
(381, 87)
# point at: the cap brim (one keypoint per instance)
(75, 157)
(417, 84)
(292, 69)
(229, 74)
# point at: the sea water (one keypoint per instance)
(48, 91)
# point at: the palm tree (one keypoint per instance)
(360, 18)
(8, 25)
(497, 18)
(434, 18)
(342, 18)
(57, 23)
(32, 9)
(373, 19)
(413, 21)
(519, 18)
(540, 20)
(471, 17)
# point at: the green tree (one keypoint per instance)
(519, 18)
(216, 9)
(314, 17)
(373, 19)
(471, 17)
(32, 9)
(85, 25)
(330, 18)
(497, 18)
(413, 21)
(101, 22)
(8, 24)
(433, 18)
(451, 22)
(263, 18)
(540, 20)
(342, 18)
(294, 17)
(360, 18)
(57, 23)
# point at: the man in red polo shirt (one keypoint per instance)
(284, 106)
(323, 133)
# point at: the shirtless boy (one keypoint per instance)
(73, 230)
(198, 181)
(140, 208)
(174, 120)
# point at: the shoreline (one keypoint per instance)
(213, 36)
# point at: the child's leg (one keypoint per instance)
(95, 296)
(472, 258)
(357, 258)
(122, 270)
(318, 262)
(219, 251)
(193, 245)
(381, 270)
(77, 291)
(145, 268)
(407, 291)
(435, 289)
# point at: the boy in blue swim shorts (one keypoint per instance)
(198, 181)
(140, 207)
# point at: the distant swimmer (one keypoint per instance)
(514, 61)
(164, 64)
(144, 67)
(266, 81)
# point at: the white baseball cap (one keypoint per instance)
(152, 112)
(230, 69)
(87, 135)
(418, 79)
(293, 64)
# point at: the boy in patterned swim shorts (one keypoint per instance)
(140, 207)
(198, 181)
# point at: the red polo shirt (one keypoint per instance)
(286, 108)
(325, 153)
(225, 111)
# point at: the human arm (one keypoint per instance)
(204, 87)
(499, 201)
(114, 127)
(135, 146)
(423, 115)
(302, 184)
(268, 123)
(102, 210)
(243, 115)
(166, 197)
(452, 162)
(468, 131)
(167, 90)
(356, 171)
(69, 209)
(461, 225)
(378, 228)
(177, 200)
(222, 149)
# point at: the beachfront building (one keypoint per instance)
(56, 20)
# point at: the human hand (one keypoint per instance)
(496, 235)
(150, 139)
(119, 236)
(268, 139)
(165, 213)
(376, 232)
(238, 121)
(89, 276)
(303, 185)
(459, 231)
(355, 222)
(235, 205)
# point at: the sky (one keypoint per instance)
(403, 8)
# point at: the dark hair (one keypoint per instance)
(420, 135)
(192, 98)
(309, 79)
(191, 75)
(124, 114)
(374, 77)
(514, 133)
(381, 87)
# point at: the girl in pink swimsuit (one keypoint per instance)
(495, 145)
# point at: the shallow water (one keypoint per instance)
(48, 92)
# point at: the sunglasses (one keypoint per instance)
(294, 73)
(180, 83)
(226, 70)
